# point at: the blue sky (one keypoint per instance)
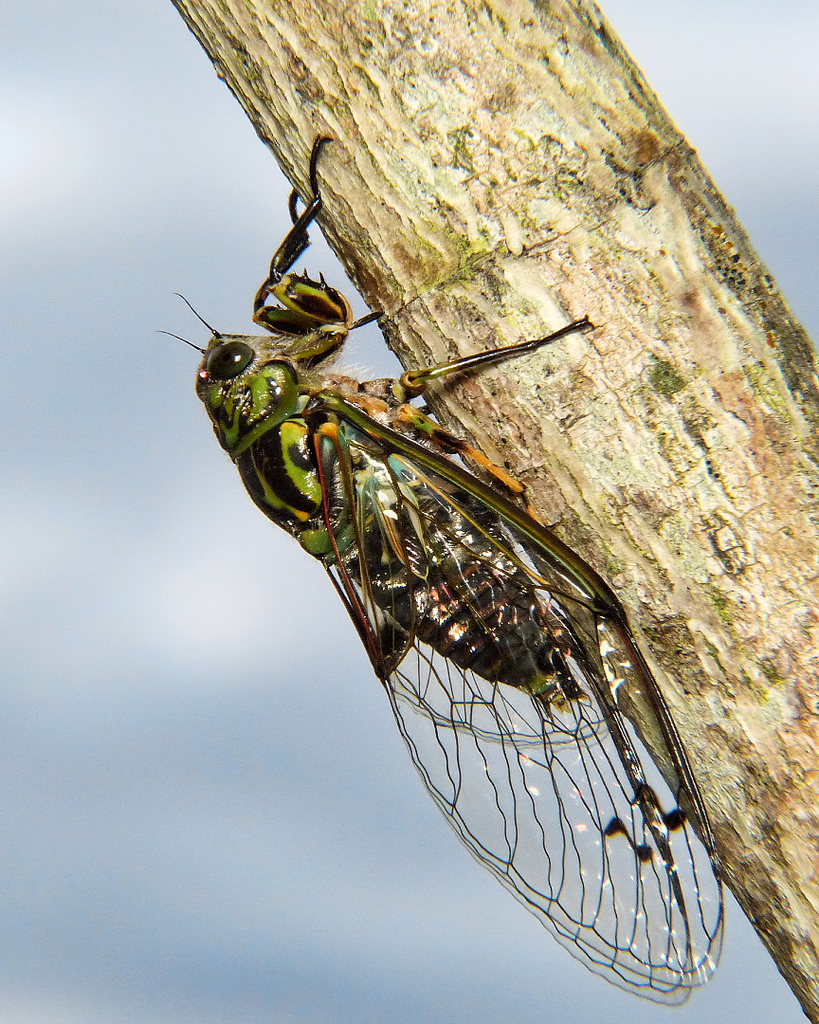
(208, 815)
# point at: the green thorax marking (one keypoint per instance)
(283, 466)
(247, 407)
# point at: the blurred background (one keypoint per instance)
(206, 812)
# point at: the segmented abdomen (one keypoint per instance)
(435, 569)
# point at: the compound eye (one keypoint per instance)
(228, 360)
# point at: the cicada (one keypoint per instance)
(509, 662)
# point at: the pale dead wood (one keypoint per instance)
(499, 169)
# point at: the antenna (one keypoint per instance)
(178, 338)
(201, 319)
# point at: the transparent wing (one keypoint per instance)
(540, 798)
(507, 681)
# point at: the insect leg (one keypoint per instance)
(297, 239)
(414, 382)
(407, 416)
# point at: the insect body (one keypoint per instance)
(508, 661)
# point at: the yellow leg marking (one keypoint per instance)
(508, 481)
(407, 416)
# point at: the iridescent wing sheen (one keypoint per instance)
(462, 602)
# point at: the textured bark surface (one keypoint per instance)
(499, 169)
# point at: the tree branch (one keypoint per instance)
(500, 169)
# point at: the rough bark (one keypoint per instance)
(499, 169)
